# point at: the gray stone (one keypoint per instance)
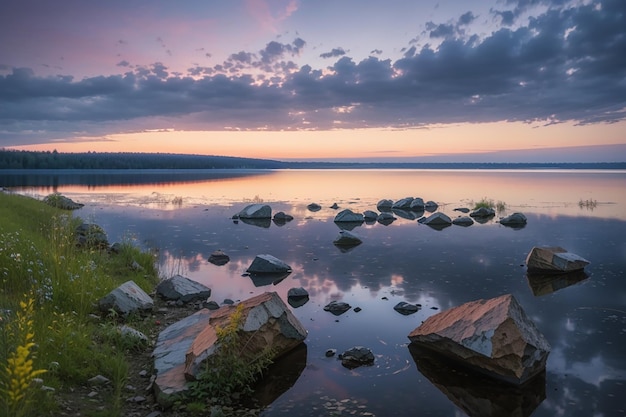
(283, 217)
(483, 212)
(314, 207)
(337, 307)
(430, 206)
(357, 356)
(437, 220)
(384, 205)
(218, 257)
(256, 211)
(183, 289)
(462, 209)
(211, 305)
(297, 297)
(348, 215)
(131, 333)
(417, 204)
(370, 215)
(126, 299)
(347, 238)
(554, 260)
(463, 221)
(493, 336)
(385, 218)
(405, 308)
(268, 264)
(99, 380)
(514, 220)
(403, 204)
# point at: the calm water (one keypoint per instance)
(188, 215)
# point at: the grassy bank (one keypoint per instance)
(50, 339)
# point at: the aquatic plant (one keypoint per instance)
(589, 204)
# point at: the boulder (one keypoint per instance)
(314, 207)
(126, 299)
(256, 211)
(514, 220)
(182, 288)
(337, 307)
(554, 260)
(267, 322)
(357, 356)
(403, 203)
(91, 236)
(335, 206)
(60, 201)
(405, 308)
(347, 238)
(431, 206)
(219, 258)
(282, 217)
(348, 216)
(385, 218)
(297, 297)
(268, 264)
(370, 215)
(417, 204)
(384, 205)
(437, 221)
(463, 221)
(492, 336)
(483, 212)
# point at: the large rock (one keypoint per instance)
(349, 216)
(91, 236)
(385, 218)
(267, 322)
(256, 211)
(268, 264)
(126, 299)
(182, 288)
(417, 204)
(515, 220)
(60, 201)
(347, 238)
(493, 336)
(554, 259)
(384, 205)
(219, 258)
(403, 203)
(483, 212)
(437, 220)
(370, 216)
(357, 356)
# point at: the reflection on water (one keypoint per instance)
(583, 319)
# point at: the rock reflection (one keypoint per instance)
(264, 223)
(261, 280)
(281, 376)
(476, 394)
(542, 284)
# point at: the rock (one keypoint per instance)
(183, 289)
(335, 206)
(219, 258)
(516, 220)
(370, 215)
(385, 218)
(256, 211)
(357, 356)
(131, 333)
(268, 264)
(463, 221)
(554, 260)
(406, 214)
(483, 212)
(462, 209)
(314, 207)
(297, 297)
(267, 322)
(431, 206)
(126, 299)
(405, 308)
(330, 353)
(403, 204)
(349, 216)
(347, 238)
(99, 380)
(493, 336)
(282, 217)
(60, 201)
(384, 205)
(437, 221)
(91, 236)
(211, 305)
(337, 307)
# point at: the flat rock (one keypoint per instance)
(337, 307)
(493, 336)
(349, 216)
(405, 308)
(218, 257)
(126, 299)
(463, 221)
(182, 288)
(314, 207)
(256, 211)
(554, 259)
(268, 264)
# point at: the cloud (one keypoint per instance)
(565, 65)
(335, 52)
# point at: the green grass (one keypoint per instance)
(485, 202)
(39, 260)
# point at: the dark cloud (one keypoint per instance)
(441, 30)
(466, 19)
(123, 63)
(566, 64)
(335, 52)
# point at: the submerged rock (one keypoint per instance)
(337, 307)
(314, 207)
(554, 260)
(219, 258)
(347, 239)
(493, 336)
(282, 217)
(405, 308)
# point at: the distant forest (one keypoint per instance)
(14, 159)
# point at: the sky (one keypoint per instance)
(400, 80)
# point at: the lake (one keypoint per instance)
(186, 215)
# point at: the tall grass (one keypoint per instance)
(38, 256)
